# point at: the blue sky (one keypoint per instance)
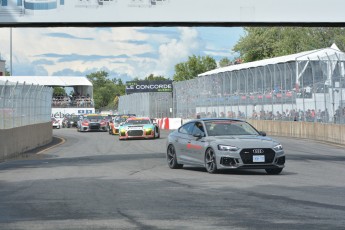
(123, 52)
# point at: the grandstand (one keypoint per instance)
(77, 100)
(307, 81)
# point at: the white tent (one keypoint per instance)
(79, 83)
(327, 54)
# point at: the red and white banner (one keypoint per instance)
(169, 123)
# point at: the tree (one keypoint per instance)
(266, 42)
(105, 90)
(59, 91)
(7, 73)
(116, 102)
(152, 77)
(98, 79)
(194, 66)
(224, 62)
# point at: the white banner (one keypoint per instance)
(189, 11)
(65, 112)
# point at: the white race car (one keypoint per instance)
(56, 123)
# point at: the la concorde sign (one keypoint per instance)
(150, 12)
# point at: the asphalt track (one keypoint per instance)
(94, 181)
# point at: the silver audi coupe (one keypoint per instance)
(222, 143)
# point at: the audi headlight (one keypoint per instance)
(278, 147)
(227, 148)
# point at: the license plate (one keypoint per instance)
(259, 158)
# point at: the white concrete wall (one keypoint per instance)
(14, 142)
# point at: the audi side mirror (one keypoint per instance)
(262, 133)
(198, 136)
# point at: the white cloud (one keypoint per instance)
(220, 53)
(149, 50)
(177, 50)
(5, 43)
(30, 43)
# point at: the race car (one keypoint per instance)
(92, 122)
(139, 128)
(71, 121)
(55, 123)
(114, 124)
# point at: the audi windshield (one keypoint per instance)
(229, 128)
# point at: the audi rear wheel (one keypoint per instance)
(172, 159)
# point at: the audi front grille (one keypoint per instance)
(94, 126)
(135, 133)
(247, 155)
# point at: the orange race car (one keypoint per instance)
(115, 123)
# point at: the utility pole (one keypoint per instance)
(11, 51)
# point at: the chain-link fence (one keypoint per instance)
(155, 105)
(309, 87)
(22, 104)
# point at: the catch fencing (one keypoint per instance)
(22, 105)
(155, 105)
(306, 88)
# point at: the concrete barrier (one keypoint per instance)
(309, 130)
(333, 133)
(16, 141)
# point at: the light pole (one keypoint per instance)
(11, 51)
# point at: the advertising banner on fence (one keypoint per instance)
(65, 112)
(169, 11)
(148, 86)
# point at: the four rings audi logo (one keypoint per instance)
(258, 151)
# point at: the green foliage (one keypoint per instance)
(152, 77)
(59, 91)
(98, 79)
(266, 42)
(7, 73)
(224, 62)
(194, 66)
(105, 90)
(136, 79)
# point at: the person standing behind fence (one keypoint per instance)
(318, 116)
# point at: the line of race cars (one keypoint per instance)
(125, 126)
(67, 122)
